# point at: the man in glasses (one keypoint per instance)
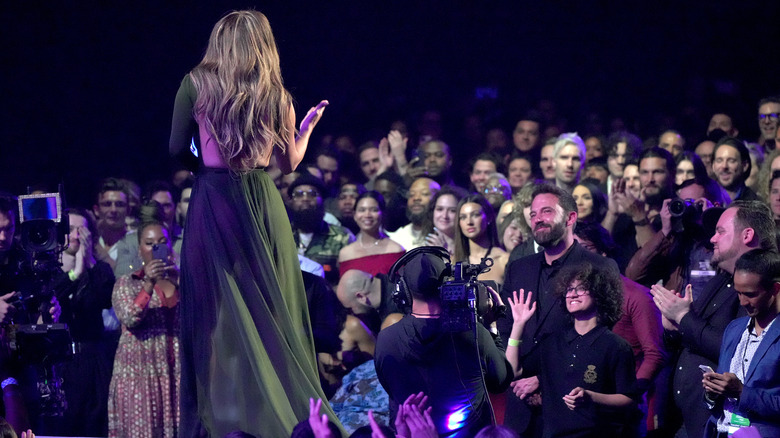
(768, 116)
(316, 239)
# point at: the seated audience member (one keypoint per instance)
(631, 177)
(143, 396)
(441, 218)
(369, 158)
(771, 164)
(127, 259)
(745, 390)
(704, 151)
(695, 321)
(496, 140)
(520, 170)
(731, 165)
(391, 186)
(347, 199)
(569, 155)
(133, 191)
(420, 192)
(110, 210)
(360, 392)
(417, 355)
(689, 166)
(184, 202)
(83, 289)
(437, 161)
(768, 120)
(622, 148)
(372, 251)
(369, 297)
(672, 141)
(591, 201)
(594, 147)
(722, 122)
(547, 160)
(476, 238)
(497, 191)
(756, 161)
(484, 165)
(640, 326)
(598, 169)
(526, 136)
(327, 159)
(774, 195)
(510, 234)
(505, 210)
(586, 372)
(522, 211)
(316, 239)
(679, 254)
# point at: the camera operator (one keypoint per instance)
(419, 354)
(680, 253)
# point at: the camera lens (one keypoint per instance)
(677, 207)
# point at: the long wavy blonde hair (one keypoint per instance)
(242, 101)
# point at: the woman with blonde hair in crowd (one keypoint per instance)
(248, 361)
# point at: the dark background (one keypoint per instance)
(87, 89)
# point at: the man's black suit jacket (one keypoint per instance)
(525, 273)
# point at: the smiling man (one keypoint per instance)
(695, 326)
(731, 166)
(768, 120)
(553, 216)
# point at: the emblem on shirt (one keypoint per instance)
(590, 374)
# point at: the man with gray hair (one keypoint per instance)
(569, 156)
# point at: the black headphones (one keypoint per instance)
(402, 296)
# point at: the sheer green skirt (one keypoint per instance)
(248, 361)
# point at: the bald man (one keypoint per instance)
(420, 193)
(364, 294)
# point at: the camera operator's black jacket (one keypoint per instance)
(416, 354)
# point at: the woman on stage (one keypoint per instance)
(247, 357)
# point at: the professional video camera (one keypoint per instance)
(42, 229)
(464, 299)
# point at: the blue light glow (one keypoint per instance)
(457, 419)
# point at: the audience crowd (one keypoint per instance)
(657, 256)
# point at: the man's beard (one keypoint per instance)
(308, 220)
(658, 198)
(547, 237)
(415, 218)
(721, 256)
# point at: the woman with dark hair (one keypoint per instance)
(441, 218)
(689, 166)
(476, 237)
(372, 251)
(248, 362)
(143, 397)
(591, 201)
(586, 372)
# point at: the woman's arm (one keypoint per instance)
(130, 301)
(522, 307)
(289, 160)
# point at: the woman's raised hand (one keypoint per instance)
(312, 118)
(523, 307)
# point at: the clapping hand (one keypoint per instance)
(673, 306)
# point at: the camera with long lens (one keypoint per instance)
(42, 230)
(464, 299)
(684, 212)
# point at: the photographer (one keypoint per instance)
(419, 354)
(680, 252)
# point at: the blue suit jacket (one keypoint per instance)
(760, 400)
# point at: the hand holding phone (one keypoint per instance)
(160, 252)
(706, 369)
